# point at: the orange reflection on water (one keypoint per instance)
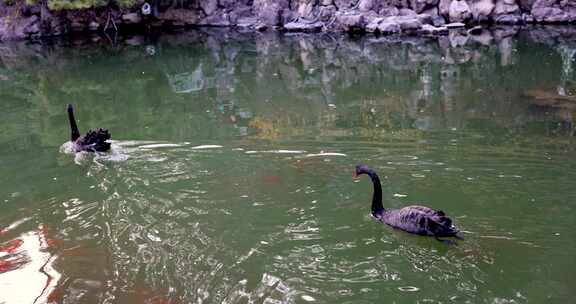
(26, 268)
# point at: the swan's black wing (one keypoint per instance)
(420, 220)
(94, 141)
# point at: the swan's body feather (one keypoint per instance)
(419, 220)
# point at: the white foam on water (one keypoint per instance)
(154, 146)
(276, 152)
(325, 154)
(202, 147)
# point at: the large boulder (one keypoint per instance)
(269, 12)
(482, 10)
(420, 6)
(425, 18)
(408, 23)
(395, 24)
(209, 6)
(93, 26)
(389, 11)
(526, 5)
(365, 5)
(389, 28)
(433, 11)
(551, 11)
(242, 15)
(372, 26)
(350, 21)
(506, 7)
(549, 15)
(222, 19)
(180, 16)
(305, 8)
(543, 3)
(18, 28)
(326, 13)
(459, 11)
(438, 20)
(345, 4)
(444, 7)
(303, 26)
(230, 4)
(131, 18)
(433, 30)
(509, 19)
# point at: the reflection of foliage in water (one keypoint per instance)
(295, 86)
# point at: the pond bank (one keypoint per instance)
(19, 20)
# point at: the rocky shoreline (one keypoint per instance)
(19, 20)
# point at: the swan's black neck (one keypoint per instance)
(73, 127)
(377, 208)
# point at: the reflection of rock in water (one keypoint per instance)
(319, 78)
(549, 102)
(449, 86)
(568, 54)
(551, 99)
(507, 48)
(559, 102)
(187, 82)
(150, 50)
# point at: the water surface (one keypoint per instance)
(230, 175)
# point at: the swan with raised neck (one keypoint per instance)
(92, 141)
(415, 219)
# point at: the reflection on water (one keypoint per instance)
(229, 179)
(27, 273)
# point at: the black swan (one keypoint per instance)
(92, 141)
(414, 219)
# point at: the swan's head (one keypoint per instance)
(69, 108)
(361, 169)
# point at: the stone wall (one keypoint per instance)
(380, 16)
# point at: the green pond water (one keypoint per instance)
(230, 177)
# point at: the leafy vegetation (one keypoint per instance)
(75, 4)
(84, 4)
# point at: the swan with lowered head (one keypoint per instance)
(92, 141)
(415, 219)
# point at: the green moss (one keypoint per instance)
(125, 3)
(74, 4)
(8, 2)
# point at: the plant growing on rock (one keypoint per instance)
(73, 4)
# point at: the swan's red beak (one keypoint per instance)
(354, 175)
